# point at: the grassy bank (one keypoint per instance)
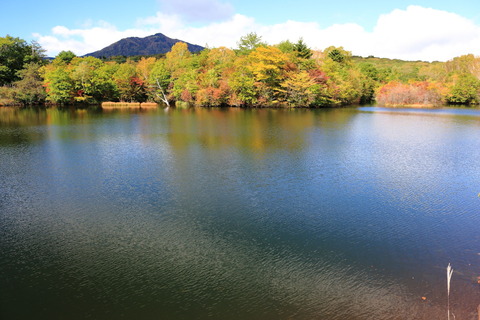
(132, 105)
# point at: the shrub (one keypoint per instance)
(415, 93)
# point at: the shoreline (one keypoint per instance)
(412, 105)
(152, 105)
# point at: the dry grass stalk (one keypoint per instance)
(449, 277)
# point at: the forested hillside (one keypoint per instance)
(254, 74)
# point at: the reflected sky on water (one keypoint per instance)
(239, 213)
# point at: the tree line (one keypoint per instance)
(254, 74)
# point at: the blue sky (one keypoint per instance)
(406, 29)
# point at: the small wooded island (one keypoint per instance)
(253, 75)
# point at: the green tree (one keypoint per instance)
(14, 54)
(248, 43)
(36, 54)
(302, 56)
(65, 57)
(339, 54)
(466, 90)
(286, 46)
(93, 79)
(107, 89)
(186, 86)
(86, 81)
(29, 89)
(344, 78)
(370, 81)
(58, 83)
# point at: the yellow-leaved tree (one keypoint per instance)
(268, 67)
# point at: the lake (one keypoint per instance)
(349, 213)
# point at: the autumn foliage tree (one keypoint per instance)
(300, 89)
(131, 86)
(268, 67)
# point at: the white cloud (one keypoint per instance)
(216, 34)
(415, 33)
(83, 41)
(425, 33)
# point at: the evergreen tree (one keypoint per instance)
(302, 50)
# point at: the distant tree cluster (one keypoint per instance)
(253, 75)
(454, 82)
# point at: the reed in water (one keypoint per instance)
(449, 277)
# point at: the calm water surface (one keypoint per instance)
(239, 214)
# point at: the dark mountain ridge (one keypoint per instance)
(134, 46)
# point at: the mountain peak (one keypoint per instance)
(133, 46)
